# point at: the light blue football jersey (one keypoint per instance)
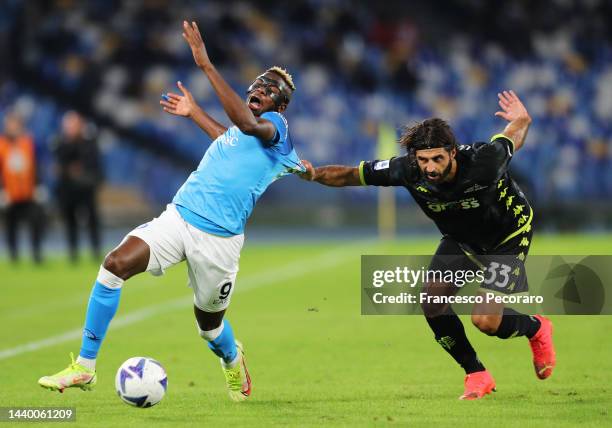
(219, 196)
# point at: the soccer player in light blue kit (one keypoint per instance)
(204, 224)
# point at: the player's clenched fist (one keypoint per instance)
(310, 172)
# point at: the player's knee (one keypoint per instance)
(209, 323)
(116, 264)
(485, 323)
(211, 333)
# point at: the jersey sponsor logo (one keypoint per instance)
(463, 204)
(381, 165)
(474, 188)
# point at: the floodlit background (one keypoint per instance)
(356, 65)
(360, 69)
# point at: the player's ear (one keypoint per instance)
(453, 152)
(281, 108)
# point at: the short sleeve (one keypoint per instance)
(282, 129)
(492, 158)
(507, 143)
(391, 172)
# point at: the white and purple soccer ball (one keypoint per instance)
(141, 382)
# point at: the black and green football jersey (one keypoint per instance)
(482, 206)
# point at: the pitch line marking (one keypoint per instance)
(325, 260)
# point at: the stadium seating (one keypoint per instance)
(353, 68)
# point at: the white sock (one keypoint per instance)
(86, 362)
(231, 364)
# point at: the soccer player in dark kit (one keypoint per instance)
(485, 220)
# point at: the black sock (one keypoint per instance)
(450, 334)
(515, 324)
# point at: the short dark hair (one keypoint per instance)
(429, 134)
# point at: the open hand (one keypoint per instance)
(512, 107)
(192, 35)
(180, 105)
(310, 173)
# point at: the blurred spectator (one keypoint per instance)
(79, 176)
(354, 63)
(18, 176)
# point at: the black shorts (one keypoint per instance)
(503, 267)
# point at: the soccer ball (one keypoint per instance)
(141, 382)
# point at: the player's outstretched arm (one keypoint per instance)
(185, 105)
(331, 175)
(234, 106)
(513, 110)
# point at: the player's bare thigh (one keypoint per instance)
(131, 257)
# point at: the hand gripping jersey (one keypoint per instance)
(219, 196)
(482, 207)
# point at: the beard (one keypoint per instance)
(439, 176)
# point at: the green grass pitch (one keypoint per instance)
(314, 359)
